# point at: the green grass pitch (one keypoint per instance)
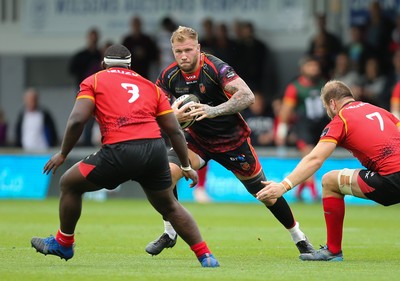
(248, 242)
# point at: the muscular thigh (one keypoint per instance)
(242, 161)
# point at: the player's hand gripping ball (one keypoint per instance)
(185, 100)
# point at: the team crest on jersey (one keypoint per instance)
(202, 88)
(245, 166)
(325, 132)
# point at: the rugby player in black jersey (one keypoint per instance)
(219, 133)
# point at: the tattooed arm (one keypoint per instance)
(241, 98)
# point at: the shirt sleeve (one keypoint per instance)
(334, 131)
(290, 95)
(164, 106)
(86, 89)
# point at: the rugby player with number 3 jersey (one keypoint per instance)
(372, 135)
(130, 111)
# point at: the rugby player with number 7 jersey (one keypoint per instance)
(372, 135)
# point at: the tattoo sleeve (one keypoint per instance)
(242, 97)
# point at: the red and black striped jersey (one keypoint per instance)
(219, 134)
(370, 133)
(126, 104)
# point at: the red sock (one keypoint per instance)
(65, 240)
(201, 173)
(314, 193)
(334, 210)
(200, 249)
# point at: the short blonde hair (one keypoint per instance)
(183, 33)
(336, 90)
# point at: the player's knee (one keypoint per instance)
(337, 182)
(65, 185)
(254, 185)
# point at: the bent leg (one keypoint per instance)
(281, 211)
(73, 185)
(335, 185)
(171, 210)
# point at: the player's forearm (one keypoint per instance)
(241, 100)
(71, 136)
(305, 169)
(178, 142)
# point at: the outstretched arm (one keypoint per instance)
(305, 169)
(80, 114)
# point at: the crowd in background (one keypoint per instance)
(369, 63)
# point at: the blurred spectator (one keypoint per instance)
(83, 64)
(302, 98)
(35, 129)
(143, 48)
(225, 47)
(3, 129)
(343, 72)
(394, 44)
(208, 39)
(324, 45)
(253, 60)
(373, 82)
(391, 80)
(86, 61)
(378, 32)
(395, 100)
(199, 192)
(164, 41)
(357, 49)
(261, 120)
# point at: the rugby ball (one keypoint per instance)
(186, 99)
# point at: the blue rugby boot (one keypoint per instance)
(50, 246)
(208, 260)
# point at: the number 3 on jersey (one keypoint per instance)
(133, 90)
(376, 115)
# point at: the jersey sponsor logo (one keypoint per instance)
(191, 82)
(179, 90)
(325, 132)
(230, 74)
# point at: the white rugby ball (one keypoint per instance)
(186, 99)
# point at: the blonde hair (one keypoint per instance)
(183, 33)
(336, 90)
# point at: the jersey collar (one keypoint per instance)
(194, 76)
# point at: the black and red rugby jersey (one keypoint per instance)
(219, 134)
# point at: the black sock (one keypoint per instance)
(282, 213)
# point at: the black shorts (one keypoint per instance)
(144, 161)
(384, 190)
(241, 161)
